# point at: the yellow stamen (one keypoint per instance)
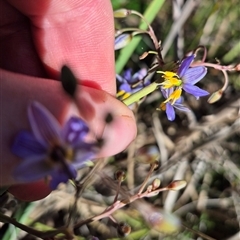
(126, 95)
(171, 79)
(69, 154)
(174, 96)
(163, 106)
(120, 93)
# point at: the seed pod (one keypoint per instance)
(147, 154)
(215, 96)
(124, 229)
(121, 13)
(177, 185)
(156, 183)
(120, 175)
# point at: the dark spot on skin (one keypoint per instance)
(108, 118)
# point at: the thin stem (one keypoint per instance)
(204, 52)
(199, 233)
(120, 31)
(152, 36)
(125, 53)
(117, 193)
(40, 234)
(74, 206)
(147, 177)
(151, 32)
(117, 205)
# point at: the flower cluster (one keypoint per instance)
(129, 84)
(184, 79)
(49, 150)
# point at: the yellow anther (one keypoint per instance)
(126, 95)
(174, 96)
(120, 93)
(69, 155)
(163, 106)
(171, 79)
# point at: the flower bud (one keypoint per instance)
(121, 13)
(124, 229)
(177, 185)
(122, 41)
(147, 154)
(215, 96)
(156, 184)
(120, 175)
(144, 55)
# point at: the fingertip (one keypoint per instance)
(93, 106)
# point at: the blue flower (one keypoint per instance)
(50, 150)
(169, 105)
(191, 76)
(185, 78)
(130, 84)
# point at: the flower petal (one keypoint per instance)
(84, 152)
(139, 75)
(181, 107)
(25, 145)
(127, 75)
(170, 112)
(194, 75)
(166, 92)
(44, 126)
(61, 176)
(74, 131)
(179, 100)
(125, 87)
(185, 65)
(122, 40)
(194, 90)
(32, 169)
(120, 78)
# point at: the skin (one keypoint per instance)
(37, 38)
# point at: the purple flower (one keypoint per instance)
(130, 84)
(185, 78)
(49, 150)
(169, 106)
(190, 76)
(122, 41)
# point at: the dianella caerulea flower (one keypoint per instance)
(185, 78)
(169, 105)
(130, 84)
(51, 150)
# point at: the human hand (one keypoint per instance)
(38, 37)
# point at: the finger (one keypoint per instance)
(93, 105)
(30, 191)
(18, 53)
(77, 33)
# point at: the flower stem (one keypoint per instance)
(140, 94)
(40, 234)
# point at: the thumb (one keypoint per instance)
(93, 105)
